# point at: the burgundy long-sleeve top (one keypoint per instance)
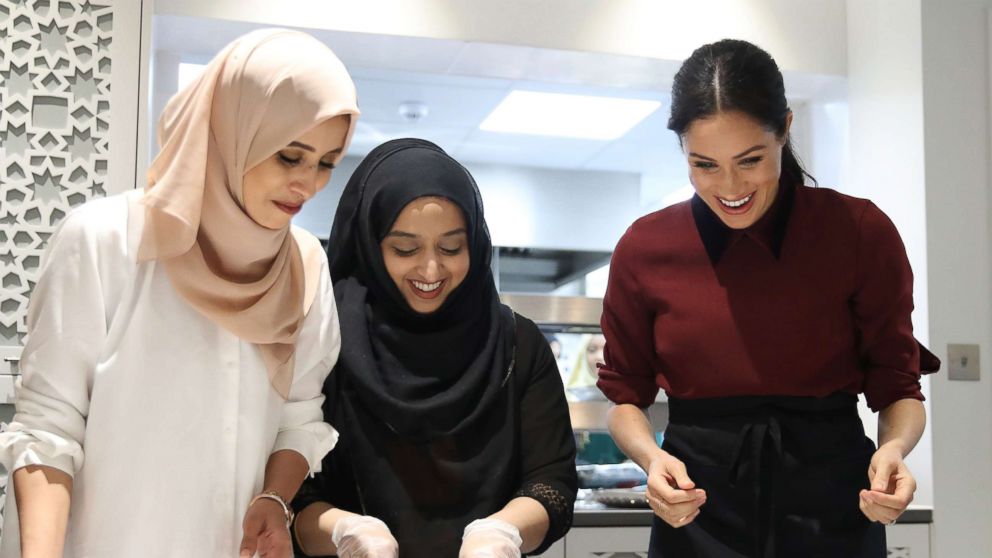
(815, 298)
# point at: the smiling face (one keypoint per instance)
(734, 165)
(276, 188)
(426, 252)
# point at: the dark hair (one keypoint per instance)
(733, 75)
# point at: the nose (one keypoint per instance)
(731, 181)
(309, 182)
(432, 270)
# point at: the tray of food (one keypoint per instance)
(622, 497)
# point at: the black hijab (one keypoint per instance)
(425, 404)
(425, 374)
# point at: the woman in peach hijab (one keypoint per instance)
(179, 335)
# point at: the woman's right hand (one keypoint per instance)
(671, 493)
(363, 536)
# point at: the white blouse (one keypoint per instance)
(164, 419)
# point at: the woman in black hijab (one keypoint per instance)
(455, 435)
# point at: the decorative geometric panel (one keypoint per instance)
(55, 99)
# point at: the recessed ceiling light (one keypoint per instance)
(570, 116)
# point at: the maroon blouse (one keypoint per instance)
(814, 298)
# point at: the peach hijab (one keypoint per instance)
(261, 92)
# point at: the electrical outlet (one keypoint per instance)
(962, 362)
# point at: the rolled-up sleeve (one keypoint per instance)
(891, 357)
(67, 327)
(630, 372)
(302, 427)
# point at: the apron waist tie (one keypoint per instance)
(760, 443)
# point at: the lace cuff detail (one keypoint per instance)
(558, 505)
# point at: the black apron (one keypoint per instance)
(782, 477)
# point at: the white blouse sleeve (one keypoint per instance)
(302, 427)
(67, 326)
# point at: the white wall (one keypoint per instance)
(957, 124)
(826, 152)
(130, 22)
(545, 208)
(525, 206)
(885, 99)
(164, 83)
(885, 103)
(934, 54)
(805, 39)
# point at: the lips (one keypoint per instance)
(289, 208)
(426, 291)
(738, 206)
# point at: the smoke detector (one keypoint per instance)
(413, 111)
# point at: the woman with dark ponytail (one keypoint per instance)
(763, 306)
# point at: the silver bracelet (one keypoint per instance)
(273, 495)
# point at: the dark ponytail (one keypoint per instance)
(733, 75)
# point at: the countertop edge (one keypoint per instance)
(642, 518)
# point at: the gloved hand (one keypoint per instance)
(363, 536)
(490, 538)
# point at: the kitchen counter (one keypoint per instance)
(619, 517)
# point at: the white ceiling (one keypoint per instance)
(462, 82)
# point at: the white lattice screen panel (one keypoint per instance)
(55, 97)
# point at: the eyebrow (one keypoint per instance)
(311, 149)
(302, 146)
(747, 151)
(403, 234)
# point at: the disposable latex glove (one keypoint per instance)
(362, 536)
(490, 538)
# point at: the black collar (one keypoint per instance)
(769, 231)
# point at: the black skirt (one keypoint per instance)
(782, 477)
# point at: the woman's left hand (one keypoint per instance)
(892, 486)
(265, 531)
